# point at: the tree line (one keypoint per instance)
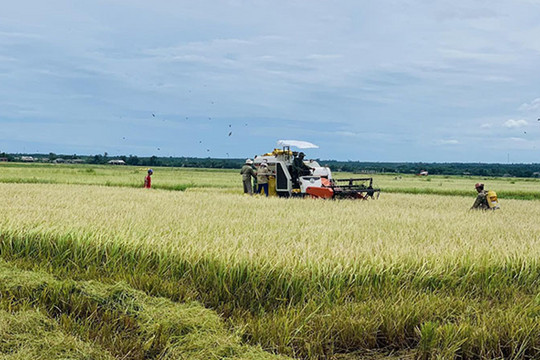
(473, 169)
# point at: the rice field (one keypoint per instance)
(227, 180)
(406, 276)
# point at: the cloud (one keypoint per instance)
(324, 56)
(482, 57)
(346, 133)
(533, 105)
(498, 79)
(18, 35)
(447, 142)
(515, 123)
(287, 65)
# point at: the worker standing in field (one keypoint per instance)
(262, 178)
(148, 179)
(247, 173)
(485, 200)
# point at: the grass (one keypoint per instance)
(116, 176)
(48, 317)
(28, 334)
(408, 275)
(181, 179)
(505, 194)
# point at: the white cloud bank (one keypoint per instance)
(447, 142)
(533, 105)
(515, 123)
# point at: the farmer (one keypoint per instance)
(299, 168)
(481, 202)
(148, 179)
(247, 173)
(262, 178)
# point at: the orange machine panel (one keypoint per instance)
(318, 192)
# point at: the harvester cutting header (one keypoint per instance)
(294, 176)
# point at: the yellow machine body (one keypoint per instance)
(272, 186)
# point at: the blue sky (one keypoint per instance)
(370, 81)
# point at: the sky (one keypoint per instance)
(407, 81)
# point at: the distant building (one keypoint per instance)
(117, 162)
(59, 161)
(4, 159)
(27, 159)
(363, 171)
(76, 161)
(423, 173)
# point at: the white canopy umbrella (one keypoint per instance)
(297, 143)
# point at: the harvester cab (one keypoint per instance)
(294, 176)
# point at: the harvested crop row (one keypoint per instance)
(124, 322)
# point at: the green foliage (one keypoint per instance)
(468, 169)
(127, 324)
(29, 334)
(300, 315)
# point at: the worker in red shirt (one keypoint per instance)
(148, 179)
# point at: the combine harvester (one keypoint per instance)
(292, 179)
